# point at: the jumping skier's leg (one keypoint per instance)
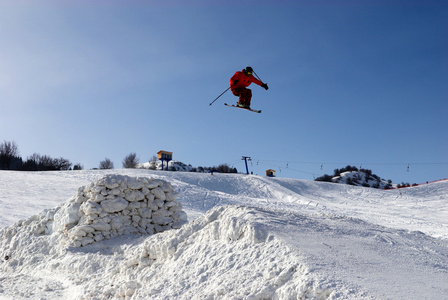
(238, 92)
(245, 96)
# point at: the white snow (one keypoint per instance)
(84, 235)
(173, 165)
(360, 178)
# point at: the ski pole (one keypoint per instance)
(257, 76)
(219, 96)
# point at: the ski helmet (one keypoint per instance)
(249, 70)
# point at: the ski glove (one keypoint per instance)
(265, 86)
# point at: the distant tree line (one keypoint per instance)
(10, 160)
(222, 168)
(37, 162)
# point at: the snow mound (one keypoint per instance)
(111, 206)
(228, 253)
(225, 254)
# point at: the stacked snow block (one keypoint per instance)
(117, 205)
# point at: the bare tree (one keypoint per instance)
(35, 157)
(78, 167)
(62, 164)
(106, 164)
(46, 163)
(8, 152)
(130, 161)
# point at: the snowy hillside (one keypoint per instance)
(361, 179)
(248, 237)
(358, 177)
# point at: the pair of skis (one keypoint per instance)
(250, 109)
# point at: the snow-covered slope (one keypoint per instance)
(357, 177)
(360, 178)
(249, 237)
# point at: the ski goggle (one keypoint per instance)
(248, 73)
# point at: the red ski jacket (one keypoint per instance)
(240, 80)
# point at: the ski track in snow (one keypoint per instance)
(249, 237)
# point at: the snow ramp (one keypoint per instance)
(239, 252)
(228, 253)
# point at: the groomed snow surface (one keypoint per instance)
(123, 234)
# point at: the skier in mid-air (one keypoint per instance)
(239, 83)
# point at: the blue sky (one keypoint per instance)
(350, 82)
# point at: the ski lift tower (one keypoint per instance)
(165, 156)
(246, 158)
